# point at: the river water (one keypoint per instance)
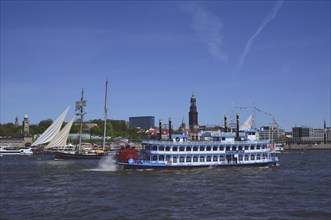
(38, 187)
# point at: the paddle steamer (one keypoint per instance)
(225, 149)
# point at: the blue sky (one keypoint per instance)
(274, 55)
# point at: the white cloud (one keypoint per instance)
(208, 28)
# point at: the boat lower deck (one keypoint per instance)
(170, 167)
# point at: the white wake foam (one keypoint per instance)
(107, 163)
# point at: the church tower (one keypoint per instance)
(193, 114)
(16, 121)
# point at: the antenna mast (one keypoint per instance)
(105, 125)
(80, 107)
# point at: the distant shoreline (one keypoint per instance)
(308, 147)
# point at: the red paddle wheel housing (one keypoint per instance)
(125, 153)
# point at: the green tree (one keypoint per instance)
(43, 125)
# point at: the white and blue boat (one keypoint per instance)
(212, 150)
(15, 151)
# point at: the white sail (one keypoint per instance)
(61, 138)
(248, 124)
(52, 130)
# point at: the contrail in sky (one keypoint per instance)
(251, 40)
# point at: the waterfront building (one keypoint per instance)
(143, 122)
(273, 134)
(193, 114)
(306, 135)
(19, 140)
(327, 138)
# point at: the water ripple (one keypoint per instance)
(38, 187)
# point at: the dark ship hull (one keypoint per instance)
(77, 156)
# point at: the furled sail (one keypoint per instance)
(61, 138)
(248, 124)
(52, 130)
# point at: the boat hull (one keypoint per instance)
(67, 156)
(127, 166)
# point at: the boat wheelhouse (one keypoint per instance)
(216, 151)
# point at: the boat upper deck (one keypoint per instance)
(205, 143)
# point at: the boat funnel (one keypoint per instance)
(160, 129)
(170, 126)
(237, 130)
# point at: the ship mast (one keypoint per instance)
(105, 125)
(80, 107)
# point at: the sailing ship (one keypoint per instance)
(53, 136)
(80, 153)
(56, 138)
(223, 149)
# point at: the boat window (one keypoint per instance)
(195, 148)
(240, 148)
(181, 160)
(167, 158)
(195, 159)
(175, 149)
(208, 148)
(252, 157)
(154, 148)
(223, 138)
(252, 147)
(174, 159)
(208, 158)
(246, 147)
(154, 158)
(221, 158)
(264, 146)
(215, 148)
(246, 157)
(202, 159)
(258, 157)
(240, 157)
(181, 148)
(167, 148)
(215, 158)
(161, 158)
(253, 133)
(161, 148)
(188, 148)
(221, 148)
(202, 148)
(227, 148)
(147, 147)
(263, 156)
(258, 147)
(234, 148)
(188, 159)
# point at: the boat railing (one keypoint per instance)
(157, 142)
(208, 152)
